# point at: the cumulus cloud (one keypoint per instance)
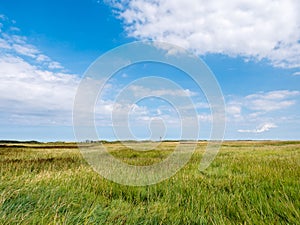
(261, 129)
(250, 28)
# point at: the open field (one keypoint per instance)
(248, 183)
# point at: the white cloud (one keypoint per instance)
(31, 92)
(151, 107)
(249, 28)
(15, 44)
(262, 128)
(270, 101)
(15, 29)
(27, 90)
(263, 110)
(14, 38)
(27, 50)
(55, 65)
(141, 90)
(42, 58)
(2, 17)
(205, 117)
(296, 74)
(258, 106)
(234, 109)
(4, 44)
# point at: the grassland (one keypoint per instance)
(248, 183)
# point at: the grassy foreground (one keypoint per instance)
(248, 183)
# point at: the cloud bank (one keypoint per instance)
(263, 110)
(34, 89)
(253, 29)
(261, 103)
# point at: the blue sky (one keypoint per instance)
(252, 47)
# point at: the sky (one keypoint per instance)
(252, 47)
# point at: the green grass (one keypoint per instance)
(248, 183)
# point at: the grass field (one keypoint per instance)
(248, 183)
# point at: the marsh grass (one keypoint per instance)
(248, 183)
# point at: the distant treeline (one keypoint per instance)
(16, 142)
